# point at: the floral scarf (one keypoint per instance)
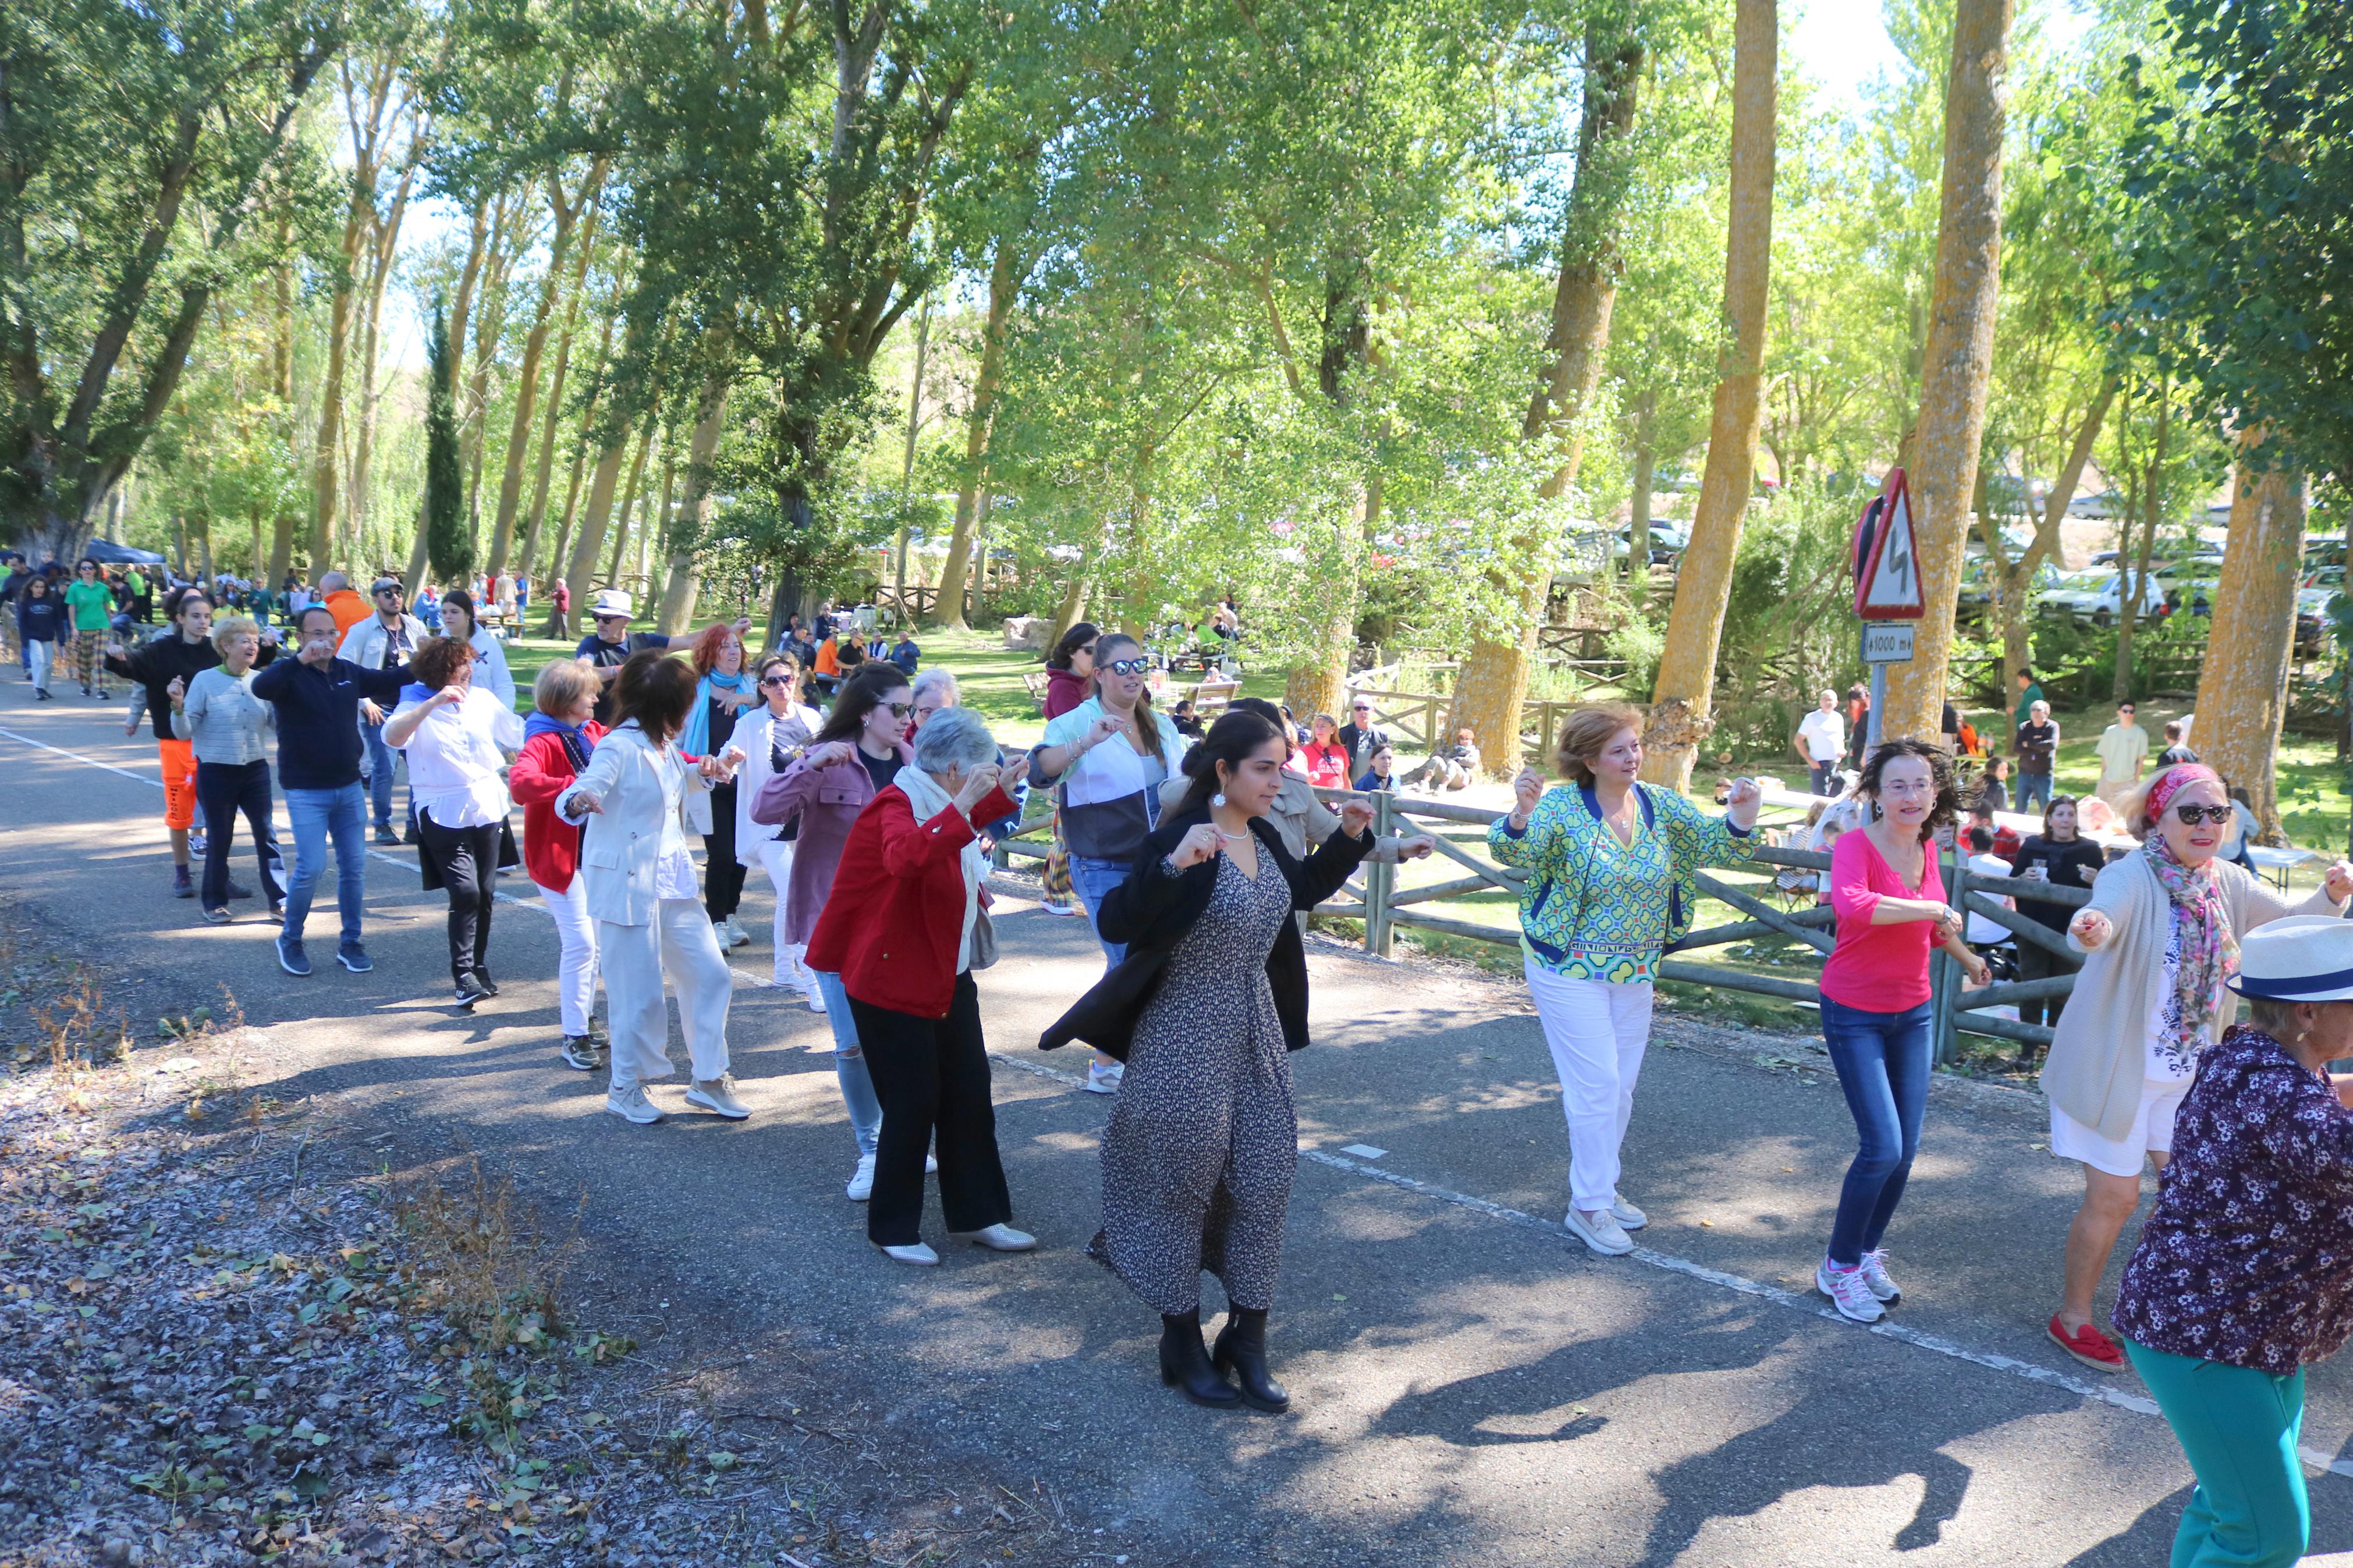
(2210, 952)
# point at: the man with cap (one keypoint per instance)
(2242, 1277)
(611, 644)
(385, 640)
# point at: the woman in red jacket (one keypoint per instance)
(900, 929)
(558, 737)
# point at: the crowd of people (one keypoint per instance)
(869, 805)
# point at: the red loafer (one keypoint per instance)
(2088, 1346)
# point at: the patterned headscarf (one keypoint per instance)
(2209, 952)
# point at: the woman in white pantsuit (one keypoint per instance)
(1609, 862)
(645, 896)
(772, 738)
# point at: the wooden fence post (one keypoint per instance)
(1944, 970)
(1380, 882)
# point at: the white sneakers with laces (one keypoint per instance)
(1849, 1292)
(1104, 1078)
(719, 1095)
(628, 1101)
(1874, 1277)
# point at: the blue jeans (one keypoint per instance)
(1825, 778)
(1092, 881)
(850, 1064)
(380, 767)
(316, 814)
(2032, 787)
(1883, 1062)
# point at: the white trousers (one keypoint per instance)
(1597, 1030)
(678, 944)
(776, 859)
(576, 986)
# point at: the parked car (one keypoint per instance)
(2189, 583)
(2107, 504)
(1976, 600)
(2096, 596)
(2313, 596)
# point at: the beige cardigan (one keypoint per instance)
(2099, 1051)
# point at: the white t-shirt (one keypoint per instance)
(455, 756)
(1982, 931)
(1824, 735)
(2122, 748)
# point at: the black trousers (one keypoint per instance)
(722, 879)
(932, 1076)
(467, 862)
(2038, 963)
(223, 789)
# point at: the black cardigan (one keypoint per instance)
(1152, 911)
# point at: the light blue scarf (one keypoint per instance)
(696, 740)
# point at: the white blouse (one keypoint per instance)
(455, 756)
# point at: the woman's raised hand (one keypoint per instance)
(1201, 843)
(1356, 816)
(586, 804)
(1110, 727)
(2338, 880)
(2091, 928)
(827, 756)
(1527, 791)
(1417, 847)
(977, 786)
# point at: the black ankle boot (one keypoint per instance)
(1185, 1365)
(1241, 1349)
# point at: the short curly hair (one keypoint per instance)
(1586, 733)
(437, 661)
(1947, 806)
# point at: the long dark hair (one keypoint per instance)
(860, 694)
(1271, 713)
(1078, 636)
(1232, 740)
(655, 689)
(1947, 807)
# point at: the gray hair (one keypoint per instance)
(936, 677)
(954, 737)
(332, 582)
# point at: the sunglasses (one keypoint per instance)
(2187, 815)
(1128, 665)
(899, 709)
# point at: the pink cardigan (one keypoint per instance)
(1877, 969)
(827, 801)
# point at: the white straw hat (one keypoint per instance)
(612, 602)
(2304, 958)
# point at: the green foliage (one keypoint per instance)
(449, 538)
(1789, 627)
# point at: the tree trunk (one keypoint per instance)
(416, 550)
(1960, 355)
(1646, 474)
(1004, 285)
(656, 519)
(383, 242)
(325, 475)
(1494, 681)
(1074, 601)
(579, 575)
(2243, 689)
(566, 212)
(1319, 682)
(630, 503)
(546, 466)
(1683, 703)
(2152, 510)
(907, 465)
(685, 582)
(281, 384)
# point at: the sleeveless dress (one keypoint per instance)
(1203, 1143)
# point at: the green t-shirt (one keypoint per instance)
(92, 604)
(2026, 701)
(137, 582)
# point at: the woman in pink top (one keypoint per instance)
(1890, 902)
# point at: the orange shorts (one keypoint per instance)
(179, 782)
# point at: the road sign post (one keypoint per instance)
(1887, 589)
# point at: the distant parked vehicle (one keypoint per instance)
(1976, 600)
(2096, 596)
(2314, 597)
(2108, 503)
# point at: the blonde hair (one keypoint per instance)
(1586, 733)
(561, 685)
(229, 626)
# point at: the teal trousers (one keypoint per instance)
(2238, 1428)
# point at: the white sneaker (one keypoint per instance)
(1603, 1235)
(1874, 1277)
(1627, 1216)
(917, 1254)
(815, 998)
(628, 1103)
(736, 935)
(1002, 1238)
(719, 1094)
(1103, 1078)
(1848, 1292)
(861, 1181)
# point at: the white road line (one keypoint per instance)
(1793, 1300)
(373, 854)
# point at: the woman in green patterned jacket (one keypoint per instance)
(1610, 863)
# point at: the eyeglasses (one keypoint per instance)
(2187, 815)
(1128, 665)
(899, 709)
(775, 680)
(1089, 650)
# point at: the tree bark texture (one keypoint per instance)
(547, 465)
(2152, 517)
(2243, 689)
(1683, 701)
(694, 514)
(566, 211)
(1004, 285)
(1959, 356)
(1494, 681)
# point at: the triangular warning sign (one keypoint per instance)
(1887, 583)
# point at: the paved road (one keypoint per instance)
(1471, 1386)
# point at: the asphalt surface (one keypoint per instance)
(1470, 1386)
